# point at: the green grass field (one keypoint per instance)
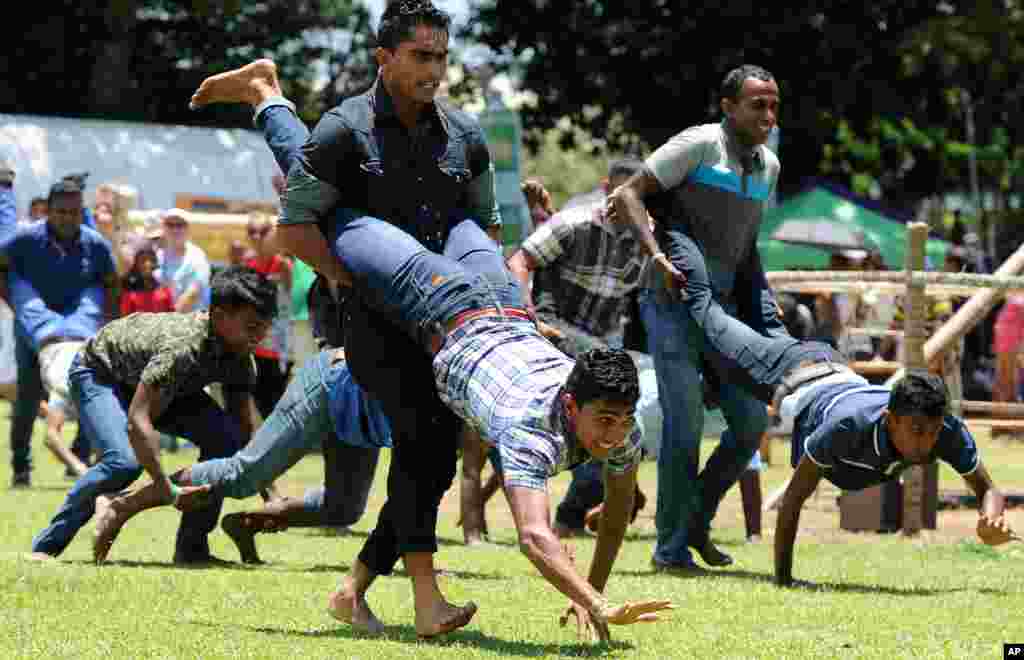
(875, 596)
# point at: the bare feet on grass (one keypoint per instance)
(253, 83)
(109, 521)
(350, 607)
(444, 618)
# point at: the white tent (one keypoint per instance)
(160, 161)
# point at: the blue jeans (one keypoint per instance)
(102, 409)
(300, 424)
(682, 336)
(415, 288)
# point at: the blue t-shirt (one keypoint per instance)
(57, 289)
(842, 432)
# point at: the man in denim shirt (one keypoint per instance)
(397, 154)
(60, 279)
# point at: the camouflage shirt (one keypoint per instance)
(177, 354)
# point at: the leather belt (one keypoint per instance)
(473, 314)
(801, 376)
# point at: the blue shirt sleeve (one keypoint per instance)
(35, 319)
(8, 214)
(88, 314)
(956, 446)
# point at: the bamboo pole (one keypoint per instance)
(976, 280)
(914, 336)
(971, 312)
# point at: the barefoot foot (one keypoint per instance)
(236, 526)
(444, 618)
(349, 607)
(252, 84)
(108, 524)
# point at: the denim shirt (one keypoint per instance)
(56, 291)
(360, 156)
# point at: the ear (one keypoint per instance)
(383, 56)
(727, 106)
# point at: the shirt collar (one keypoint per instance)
(384, 105)
(739, 149)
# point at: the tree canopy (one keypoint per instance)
(141, 59)
(848, 73)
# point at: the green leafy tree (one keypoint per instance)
(142, 59)
(657, 66)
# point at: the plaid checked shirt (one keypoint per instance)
(586, 267)
(503, 379)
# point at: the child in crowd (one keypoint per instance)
(141, 291)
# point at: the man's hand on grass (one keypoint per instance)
(995, 531)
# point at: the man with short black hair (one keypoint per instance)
(492, 367)
(62, 285)
(856, 435)
(144, 374)
(402, 156)
(706, 187)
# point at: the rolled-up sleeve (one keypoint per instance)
(481, 194)
(314, 186)
(550, 241)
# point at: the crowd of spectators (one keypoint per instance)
(68, 267)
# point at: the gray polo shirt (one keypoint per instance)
(714, 191)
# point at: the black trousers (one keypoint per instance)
(424, 432)
(271, 382)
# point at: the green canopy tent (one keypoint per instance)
(819, 203)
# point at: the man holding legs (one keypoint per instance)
(706, 187)
(388, 268)
(844, 430)
(144, 374)
(424, 166)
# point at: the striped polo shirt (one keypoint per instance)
(714, 191)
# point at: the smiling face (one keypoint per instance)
(601, 425)
(914, 436)
(754, 111)
(413, 71)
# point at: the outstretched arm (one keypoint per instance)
(530, 509)
(805, 480)
(993, 528)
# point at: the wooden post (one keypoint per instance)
(914, 336)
